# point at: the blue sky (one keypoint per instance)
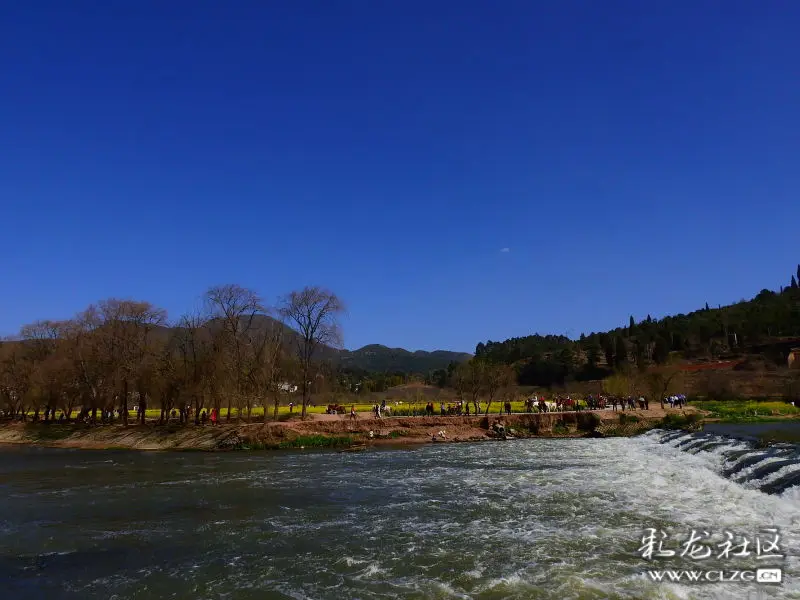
(633, 157)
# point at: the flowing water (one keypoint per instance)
(559, 518)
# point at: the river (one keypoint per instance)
(541, 518)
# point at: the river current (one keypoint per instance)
(540, 518)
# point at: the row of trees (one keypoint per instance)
(738, 329)
(235, 352)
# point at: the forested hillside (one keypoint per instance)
(764, 326)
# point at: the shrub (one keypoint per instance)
(589, 422)
(560, 428)
(686, 421)
(623, 419)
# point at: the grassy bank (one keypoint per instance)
(302, 442)
(747, 411)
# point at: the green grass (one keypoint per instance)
(747, 410)
(318, 441)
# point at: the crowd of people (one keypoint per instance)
(533, 404)
(561, 403)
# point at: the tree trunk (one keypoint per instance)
(142, 404)
(125, 402)
(305, 393)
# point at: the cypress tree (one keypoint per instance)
(661, 350)
(620, 352)
(707, 306)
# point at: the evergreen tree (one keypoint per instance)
(620, 352)
(707, 306)
(593, 354)
(607, 344)
(661, 350)
(794, 282)
(639, 353)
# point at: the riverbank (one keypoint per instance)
(333, 431)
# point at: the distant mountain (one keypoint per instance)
(375, 358)
(378, 358)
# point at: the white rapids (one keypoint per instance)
(539, 518)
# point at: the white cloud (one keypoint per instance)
(505, 250)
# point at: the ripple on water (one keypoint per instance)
(525, 519)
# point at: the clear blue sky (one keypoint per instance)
(633, 157)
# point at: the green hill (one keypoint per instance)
(767, 327)
(378, 358)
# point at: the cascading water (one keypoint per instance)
(773, 470)
(531, 518)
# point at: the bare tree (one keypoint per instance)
(234, 309)
(459, 381)
(265, 367)
(471, 375)
(497, 378)
(662, 381)
(41, 342)
(15, 378)
(87, 357)
(168, 383)
(125, 333)
(314, 313)
(193, 344)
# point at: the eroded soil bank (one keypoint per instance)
(336, 431)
